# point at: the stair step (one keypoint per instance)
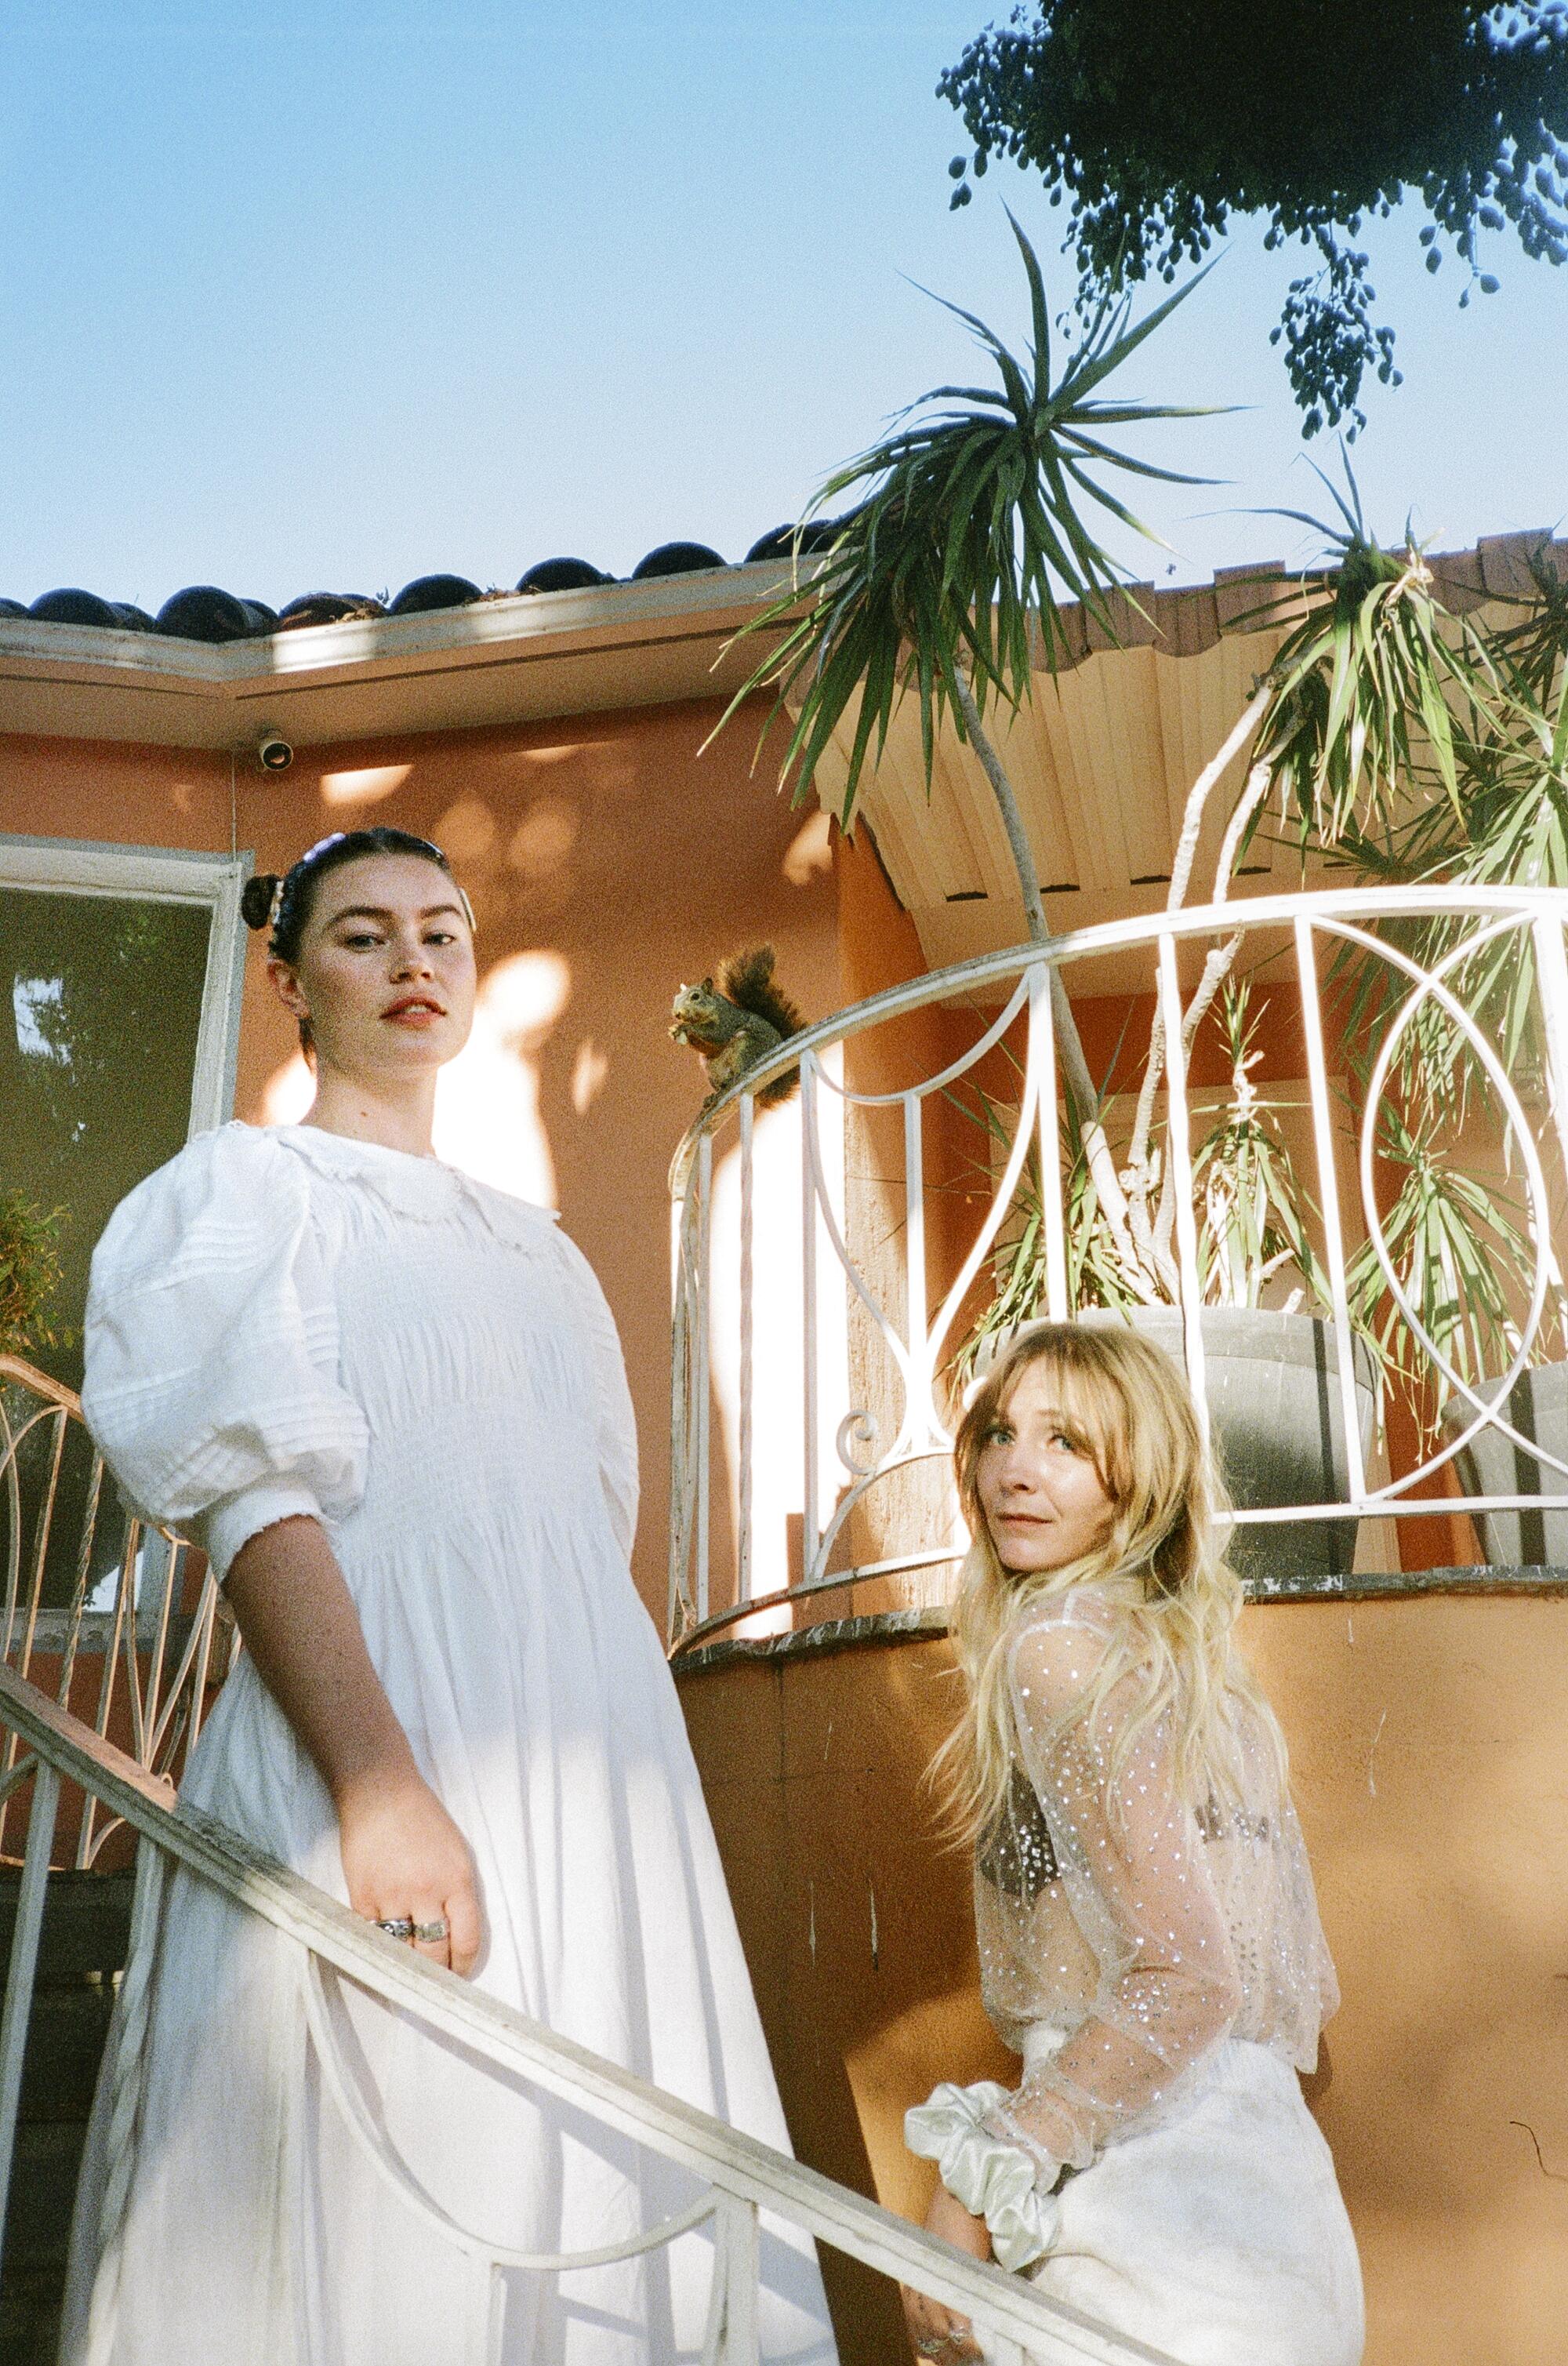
(29, 2319)
(65, 2045)
(82, 1945)
(86, 1923)
(43, 2193)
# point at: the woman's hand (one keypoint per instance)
(404, 1859)
(940, 2333)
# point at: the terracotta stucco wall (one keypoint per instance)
(603, 857)
(1429, 1737)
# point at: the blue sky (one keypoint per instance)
(332, 295)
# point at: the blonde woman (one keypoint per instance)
(1149, 1933)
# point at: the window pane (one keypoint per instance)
(100, 1007)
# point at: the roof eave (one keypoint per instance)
(521, 659)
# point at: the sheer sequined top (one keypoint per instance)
(1139, 1930)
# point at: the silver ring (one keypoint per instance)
(396, 1926)
(428, 1933)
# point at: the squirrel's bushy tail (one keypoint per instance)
(746, 979)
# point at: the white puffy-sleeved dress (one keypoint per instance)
(1162, 1970)
(285, 1320)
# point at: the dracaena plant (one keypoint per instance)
(1385, 732)
(969, 526)
(1459, 1251)
(1253, 1213)
(1485, 804)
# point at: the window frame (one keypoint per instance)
(161, 875)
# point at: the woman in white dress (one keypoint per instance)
(390, 1403)
(1149, 1932)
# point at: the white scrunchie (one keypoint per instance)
(994, 2179)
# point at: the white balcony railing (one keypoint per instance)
(826, 1278)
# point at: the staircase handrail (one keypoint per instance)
(746, 2174)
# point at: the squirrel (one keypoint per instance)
(736, 1022)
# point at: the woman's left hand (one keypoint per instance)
(940, 2333)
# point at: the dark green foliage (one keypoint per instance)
(1159, 124)
(1416, 746)
(967, 532)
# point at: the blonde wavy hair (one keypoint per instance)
(1159, 1563)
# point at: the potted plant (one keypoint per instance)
(1269, 1351)
(1462, 1248)
(942, 582)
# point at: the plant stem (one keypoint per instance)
(1215, 969)
(1252, 795)
(1069, 1043)
(1011, 819)
(1198, 795)
(1203, 788)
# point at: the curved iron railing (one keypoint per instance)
(107, 1612)
(871, 1337)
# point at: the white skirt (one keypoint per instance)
(1218, 2237)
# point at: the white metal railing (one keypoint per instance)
(113, 1616)
(739, 2175)
(868, 1392)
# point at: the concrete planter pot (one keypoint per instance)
(1493, 1465)
(1274, 1412)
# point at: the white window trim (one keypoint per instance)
(161, 875)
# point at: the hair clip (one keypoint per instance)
(275, 906)
(320, 846)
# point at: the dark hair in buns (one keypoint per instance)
(285, 904)
(256, 899)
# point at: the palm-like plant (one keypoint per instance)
(945, 581)
(946, 576)
(1357, 700)
(1509, 826)
(1457, 1248)
(1389, 733)
(1415, 746)
(1251, 1209)
(1361, 688)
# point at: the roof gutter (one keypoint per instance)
(496, 661)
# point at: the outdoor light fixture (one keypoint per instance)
(273, 753)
